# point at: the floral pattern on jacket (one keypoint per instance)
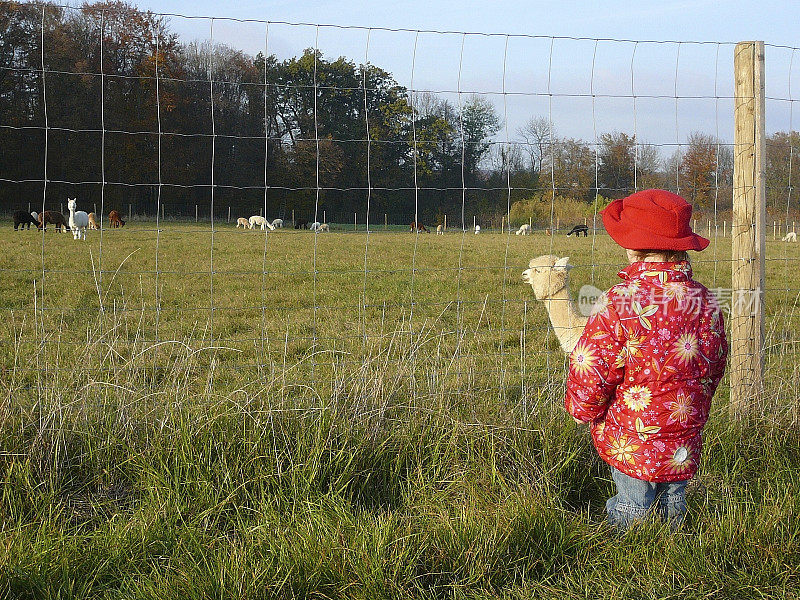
(645, 369)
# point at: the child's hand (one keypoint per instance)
(578, 421)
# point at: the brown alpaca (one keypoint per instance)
(418, 227)
(115, 220)
(54, 217)
(93, 223)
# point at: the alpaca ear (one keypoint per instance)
(562, 263)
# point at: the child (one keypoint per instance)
(649, 361)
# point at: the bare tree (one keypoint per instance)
(537, 135)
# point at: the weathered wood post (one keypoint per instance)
(748, 230)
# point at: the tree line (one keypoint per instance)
(312, 130)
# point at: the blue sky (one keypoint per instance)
(699, 74)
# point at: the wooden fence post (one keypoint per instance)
(748, 230)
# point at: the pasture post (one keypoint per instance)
(558, 223)
(324, 217)
(162, 212)
(445, 222)
(385, 222)
(95, 208)
(293, 221)
(709, 229)
(130, 211)
(724, 225)
(748, 229)
(196, 213)
(29, 207)
(774, 230)
(355, 221)
(502, 223)
(229, 214)
(61, 208)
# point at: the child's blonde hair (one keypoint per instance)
(668, 255)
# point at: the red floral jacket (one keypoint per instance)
(646, 368)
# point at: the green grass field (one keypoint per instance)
(349, 416)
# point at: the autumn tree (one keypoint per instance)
(703, 168)
(616, 162)
(783, 170)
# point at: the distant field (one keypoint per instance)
(347, 415)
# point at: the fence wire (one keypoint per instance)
(397, 314)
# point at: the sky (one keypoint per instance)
(585, 87)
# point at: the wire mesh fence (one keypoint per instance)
(407, 135)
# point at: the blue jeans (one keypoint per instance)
(636, 499)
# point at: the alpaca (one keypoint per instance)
(548, 275)
(789, 237)
(93, 222)
(261, 222)
(440, 230)
(78, 220)
(301, 224)
(115, 220)
(54, 217)
(277, 224)
(23, 218)
(578, 230)
(242, 222)
(315, 226)
(477, 229)
(35, 216)
(524, 229)
(418, 227)
(324, 227)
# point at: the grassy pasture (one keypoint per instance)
(344, 415)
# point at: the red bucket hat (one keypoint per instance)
(652, 220)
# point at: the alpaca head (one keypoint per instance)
(72, 203)
(547, 275)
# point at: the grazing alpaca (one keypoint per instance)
(524, 229)
(789, 237)
(54, 217)
(324, 227)
(261, 222)
(301, 224)
(277, 223)
(242, 222)
(418, 227)
(115, 220)
(440, 230)
(78, 220)
(548, 275)
(23, 218)
(314, 226)
(93, 222)
(578, 230)
(477, 229)
(35, 216)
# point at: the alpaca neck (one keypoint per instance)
(567, 322)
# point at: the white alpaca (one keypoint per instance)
(524, 229)
(277, 223)
(314, 226)
(242, 222)
(324, 227)
(260, 221)
(78, 220)
(440, 230)
(35, 216)
(548, 275)
(477, 229)
(789, 237)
